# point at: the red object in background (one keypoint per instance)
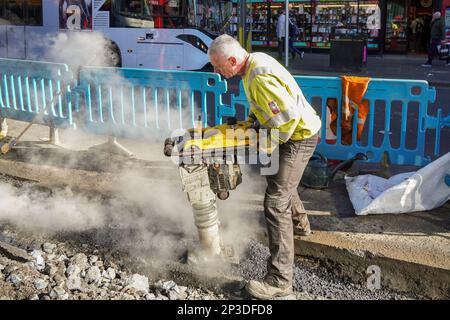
(333, 163)
(412, 12)
(393, 43)
(158, 17)
(445, 5)
(445, 11)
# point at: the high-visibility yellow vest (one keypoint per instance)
(276, 100)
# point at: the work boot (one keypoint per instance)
(302, 227)
(264, 291)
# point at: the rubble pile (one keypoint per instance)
(50, 271)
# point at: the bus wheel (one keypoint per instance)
(112, 55)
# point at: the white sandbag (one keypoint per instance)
(406, 192)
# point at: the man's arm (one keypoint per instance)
(251, 117)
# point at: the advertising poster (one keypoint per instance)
(75, 14)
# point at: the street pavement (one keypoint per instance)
(378, 66)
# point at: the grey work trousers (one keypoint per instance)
(283, 208)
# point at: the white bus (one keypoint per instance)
(156, 34)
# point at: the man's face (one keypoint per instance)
(225, 66)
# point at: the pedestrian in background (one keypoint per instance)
(294, 32)
(281, 36)
(437, 35)
(416, 30)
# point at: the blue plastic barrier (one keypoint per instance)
(397, 102)
(136, 102)
(35, 91)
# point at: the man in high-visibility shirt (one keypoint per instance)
(276, 103)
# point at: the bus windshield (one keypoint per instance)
(148, 13)
(212, 16)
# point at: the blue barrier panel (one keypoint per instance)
(397, 107)
(138, 102)
(35, 91)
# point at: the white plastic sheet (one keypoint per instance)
(406, 192)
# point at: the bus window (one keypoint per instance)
(174, 14)
(210, 15)
(133, 7)
(213, 16)
(167, 13)
(134, 14)
(173, 8)
(34, 12)
(14, 12)
(20, 12)
(2, 13)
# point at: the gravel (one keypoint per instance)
(48, 247)
(316, 284)
(65, 271)
(138, 282)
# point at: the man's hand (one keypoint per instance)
(255, 125)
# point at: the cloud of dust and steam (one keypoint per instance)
(62, 210)
(241, 215)
(152, 215)
(155, 208)
(76, 49)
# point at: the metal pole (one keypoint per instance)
(357, 19)
(286, 38)
(242, 32)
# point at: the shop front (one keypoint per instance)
(391, 26)
(408, 25)
(319, 22)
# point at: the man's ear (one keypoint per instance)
(233, 61)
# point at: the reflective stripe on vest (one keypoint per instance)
(255, 72)
(285, 136)
(280, 118)
(276, 120)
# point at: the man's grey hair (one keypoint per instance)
(226, 46)
(436, 15)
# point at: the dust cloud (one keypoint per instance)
(155, 209)
(76, 49)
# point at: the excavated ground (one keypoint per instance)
(156, 250)
(131, 217)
